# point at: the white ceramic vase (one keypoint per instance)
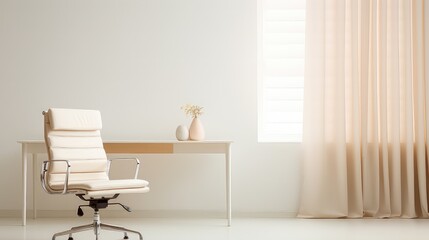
(182, 133)
(196, 131)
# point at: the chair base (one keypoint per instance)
(96, 226)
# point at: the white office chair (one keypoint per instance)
(78, 164)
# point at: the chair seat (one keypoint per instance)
(105, 187)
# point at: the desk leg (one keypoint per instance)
(228, 184)
(35, 173)
(24, 184)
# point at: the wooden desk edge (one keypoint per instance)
(138, 147)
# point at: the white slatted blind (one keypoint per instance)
(281, 50)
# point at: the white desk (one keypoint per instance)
(35, 147)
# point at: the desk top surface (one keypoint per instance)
(146, 141)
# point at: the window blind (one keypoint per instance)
(281, 50)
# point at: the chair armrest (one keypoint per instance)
(43, 179)
(136, 173)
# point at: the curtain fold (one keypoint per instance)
(366, 114)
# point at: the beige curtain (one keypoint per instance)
(366, 109)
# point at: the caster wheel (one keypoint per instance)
(126, 237)
(70, 238)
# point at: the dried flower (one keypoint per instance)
(192, 110)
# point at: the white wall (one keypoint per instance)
(138, 61)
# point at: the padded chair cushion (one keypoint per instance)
(99, 185)
(103, 193)
(74, 119)
(103, 188)
(74, 135)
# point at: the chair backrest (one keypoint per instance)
(74, 135)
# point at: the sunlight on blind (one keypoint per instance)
(281, 50)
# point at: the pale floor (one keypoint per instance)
(242, 229)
